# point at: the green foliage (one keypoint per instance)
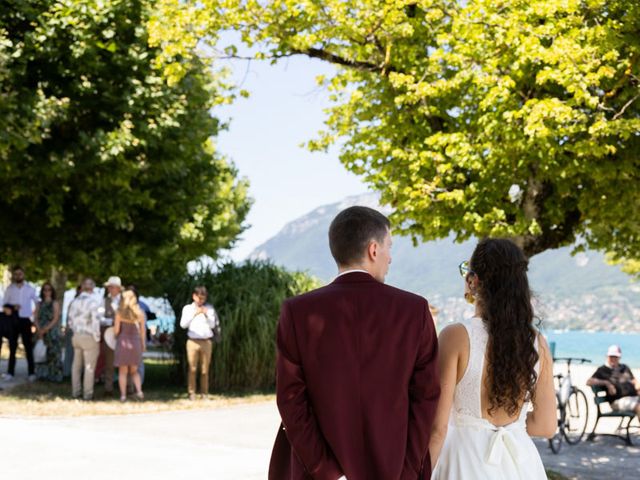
(106, 162)
(247, 298)
(515, 118)
(630, 266)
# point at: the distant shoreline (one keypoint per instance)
(593, 345)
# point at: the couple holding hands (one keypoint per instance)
(367, 391)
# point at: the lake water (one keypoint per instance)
(590, 345)
(593, 345)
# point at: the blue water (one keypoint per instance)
(593, 345)
(164, 324)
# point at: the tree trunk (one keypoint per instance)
(59, 282)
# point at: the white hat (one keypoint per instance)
(110, 338)
(614, 351)
(113, 282)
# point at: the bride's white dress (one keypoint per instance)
(474, 448)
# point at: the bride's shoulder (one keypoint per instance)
(454, 334)
(541, 344)
(457, 328)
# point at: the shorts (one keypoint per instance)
(626, 403)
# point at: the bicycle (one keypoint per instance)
(573, 408)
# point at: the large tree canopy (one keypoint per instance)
(516, 118)
(106, 163)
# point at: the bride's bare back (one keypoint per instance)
(454, 357)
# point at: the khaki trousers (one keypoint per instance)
(198, 353)
(85, 355)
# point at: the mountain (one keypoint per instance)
(580, 291)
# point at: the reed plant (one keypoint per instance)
(247, 298)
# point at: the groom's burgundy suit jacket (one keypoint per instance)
(357, 383)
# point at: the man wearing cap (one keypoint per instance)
(112, 298)
(623, 390)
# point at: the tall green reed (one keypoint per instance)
(247, 298)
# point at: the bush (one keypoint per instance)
(247, 298)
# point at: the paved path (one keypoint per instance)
(225, 444)
(603, 459)
(22, 373)
(232, 443)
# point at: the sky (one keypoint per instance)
(264, 140)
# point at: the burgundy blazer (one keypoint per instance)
(357, 383)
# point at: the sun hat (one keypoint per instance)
(113, 281)
(110, 338)
(614, 351)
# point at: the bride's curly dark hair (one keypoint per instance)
(504, 301)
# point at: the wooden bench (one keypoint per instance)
(600, 397)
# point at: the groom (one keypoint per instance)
(357, 383)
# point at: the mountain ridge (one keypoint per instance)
(568, 287)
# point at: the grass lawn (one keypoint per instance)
(161, 395)
(551, 475)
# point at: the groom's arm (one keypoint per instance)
(424, 391)
(300, 424)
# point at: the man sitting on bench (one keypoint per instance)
(623, 390)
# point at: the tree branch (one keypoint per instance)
(626, 105)
(338, 60)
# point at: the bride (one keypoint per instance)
(496, 376)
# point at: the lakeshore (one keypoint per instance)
(593, 345)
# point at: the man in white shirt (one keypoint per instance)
(200, 320)
(84, 320)
(23, 297)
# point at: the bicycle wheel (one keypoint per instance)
(555, 442)
(576, 417)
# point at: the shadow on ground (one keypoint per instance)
(603, 458)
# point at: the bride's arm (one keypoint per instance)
(542, 421)
(450, 341)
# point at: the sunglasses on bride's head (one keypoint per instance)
(464, 269)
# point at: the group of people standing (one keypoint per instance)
(107, 334)
(101, 333)
(19, 304)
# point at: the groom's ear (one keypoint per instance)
(372, 250)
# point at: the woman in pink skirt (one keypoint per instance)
(129, 329)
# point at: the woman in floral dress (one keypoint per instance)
(47, 319)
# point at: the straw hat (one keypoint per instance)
(113, 282)
(110, 338)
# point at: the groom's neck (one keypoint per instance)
(360, 267)
(349, 268)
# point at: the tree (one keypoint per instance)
(513, 118)
(106, 162)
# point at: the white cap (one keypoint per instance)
(614, 351)
(113, 282)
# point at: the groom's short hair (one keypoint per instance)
(352, 230)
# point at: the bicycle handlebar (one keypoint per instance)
(571, 359)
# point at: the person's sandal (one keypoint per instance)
(123, 398)
(139, 396)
